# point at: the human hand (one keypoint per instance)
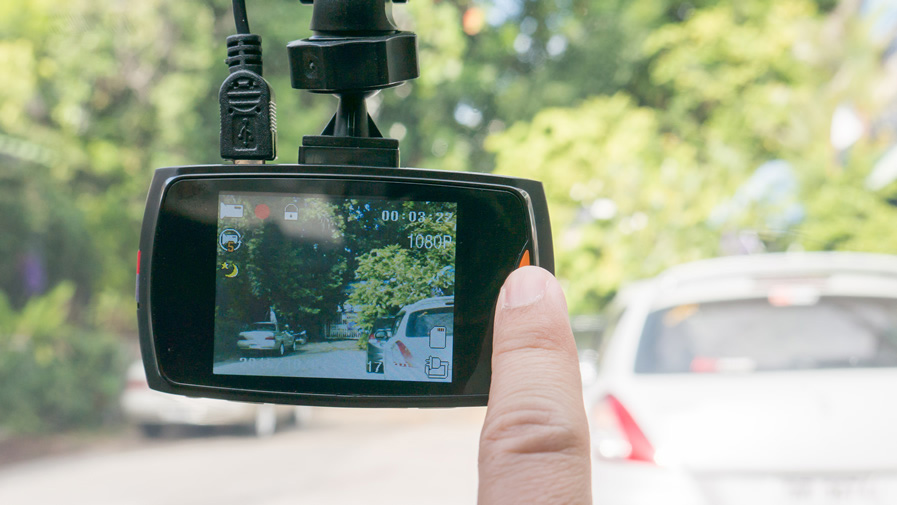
(534, 447)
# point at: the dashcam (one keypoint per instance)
(330, 285)
(343, 280)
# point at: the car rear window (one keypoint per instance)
(421, 322)
(758, 335)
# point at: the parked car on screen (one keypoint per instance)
(420, 348)
(764, 379)
(153, 411)
(266, 337)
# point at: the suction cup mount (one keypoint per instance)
(356, 50)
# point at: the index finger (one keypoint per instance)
(534, 447)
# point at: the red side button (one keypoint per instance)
(137, 283)
(524, 260)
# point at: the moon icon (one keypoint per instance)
(226, 265)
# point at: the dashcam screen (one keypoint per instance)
(341, 288)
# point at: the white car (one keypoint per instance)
(152, 410)
(266, 337)
(754, 380)
(420, 348)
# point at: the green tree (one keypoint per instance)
(56, 375)
(637, 180)
(392, 277)
(642, 117)
(299, 270)
(416, 261)
(45, 239)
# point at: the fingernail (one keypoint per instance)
(524, 287)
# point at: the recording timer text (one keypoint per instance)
(417, 216)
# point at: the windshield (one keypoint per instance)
(263, 327)
(421, 322)
(754, 335)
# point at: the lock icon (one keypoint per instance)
(291, 213)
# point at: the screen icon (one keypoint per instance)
(262, 211)
(232, 269)
(291, 213)
(230, 240)
(437, 337)
(227, 210)
(436, 368)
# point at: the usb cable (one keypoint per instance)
(248, 112)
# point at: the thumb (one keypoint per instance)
(534, 447)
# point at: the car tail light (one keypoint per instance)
(615, 434)
(269, 338)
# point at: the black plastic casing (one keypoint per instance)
(174, 340)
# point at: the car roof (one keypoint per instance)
(430, 303)
(737, 277)
(783, 265)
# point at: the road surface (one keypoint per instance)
(356, 457)
(341, 359)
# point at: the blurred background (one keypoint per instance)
(665, 131)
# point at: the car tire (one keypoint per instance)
(265, 423)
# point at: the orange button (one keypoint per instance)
(524, 261)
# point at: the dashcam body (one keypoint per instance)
(343, 280)
(330, 285)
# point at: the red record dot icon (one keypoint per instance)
(262, 211)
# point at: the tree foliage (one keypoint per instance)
(660, 128)
(640, 181)
(391, 277)
(302, 280)
(369, 257)
(55, 375)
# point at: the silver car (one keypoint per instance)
(751, 380)
(267, 337)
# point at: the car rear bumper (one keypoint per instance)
(632, 483)
(249, 345)
(840, 488)
(629, 483)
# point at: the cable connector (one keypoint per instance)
(248, 112)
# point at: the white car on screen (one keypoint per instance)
(753, 380)
(420, 348)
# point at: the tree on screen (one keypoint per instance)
(421, 265)
(299, 267)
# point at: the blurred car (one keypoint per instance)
(379, 335)
(266, 337)
(764, 379)
(420, 348)
(153, 411)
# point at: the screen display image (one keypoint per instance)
(340, 288)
